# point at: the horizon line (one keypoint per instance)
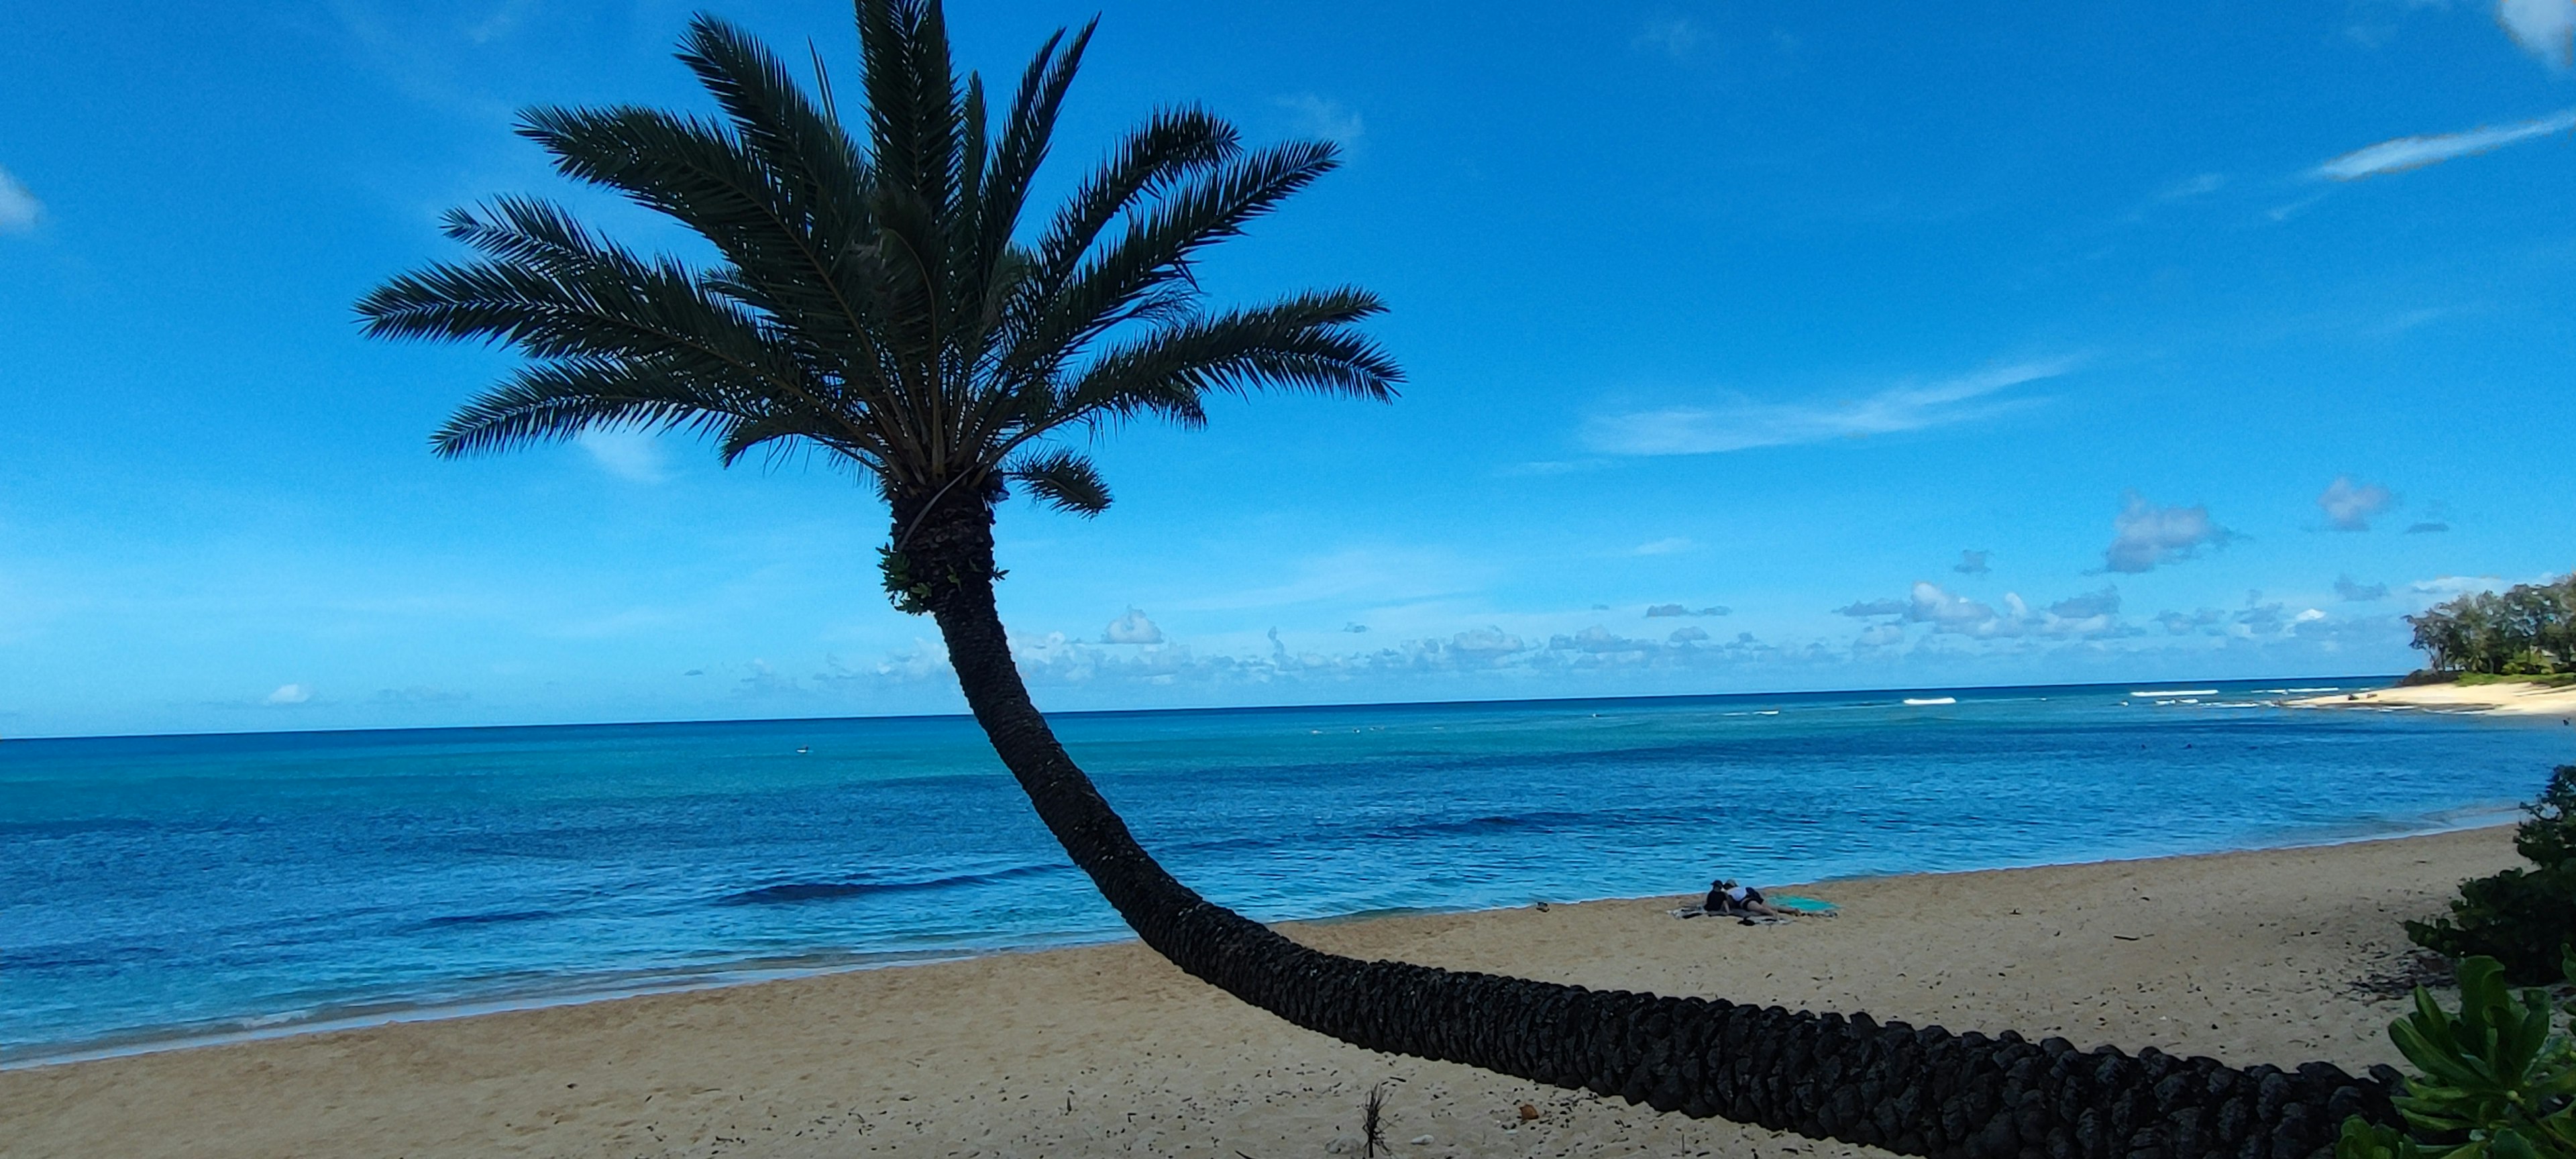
(1096, 712)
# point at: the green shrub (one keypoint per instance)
(2495, 1082)
(2523, 918)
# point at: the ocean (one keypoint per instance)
(157, 890)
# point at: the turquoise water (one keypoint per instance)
(173, 887)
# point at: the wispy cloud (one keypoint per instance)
(1739, 423)
(635, 456)
(1668, 545)
(1329, 119)
(1660, 611)
(2350, 506)
(2193, 186)
(1673, 37)
(2417, 152)
(2544, 28)
(19, 209)
(2144, 535)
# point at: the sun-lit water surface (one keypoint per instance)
(157, 888)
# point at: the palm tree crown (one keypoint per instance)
(875, 297)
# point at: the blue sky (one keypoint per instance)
(1752, 346)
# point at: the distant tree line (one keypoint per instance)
(2525, 630)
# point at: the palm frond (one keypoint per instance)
(1063, 480)
(553, 401)
(1159, 245)
(1304, 343)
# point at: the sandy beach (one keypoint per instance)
(2508, 699)
(1106, 1050)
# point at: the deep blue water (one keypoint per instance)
(163, 887)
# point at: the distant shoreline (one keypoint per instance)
(2498, 699)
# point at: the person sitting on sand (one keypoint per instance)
(1726, 898)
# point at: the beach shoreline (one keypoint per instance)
(2504, 698)
(2250, 956)
(764, 971)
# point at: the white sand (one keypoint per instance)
(1109, 1051)
(2515, 699)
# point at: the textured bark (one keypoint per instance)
(1917, 1091)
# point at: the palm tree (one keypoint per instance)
(877, 300)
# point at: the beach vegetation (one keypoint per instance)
(2494, 1079)
(2523, 918)
(2527, 630)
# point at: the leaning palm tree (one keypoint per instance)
(876, 297)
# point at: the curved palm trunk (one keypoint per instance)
(1919, 1091)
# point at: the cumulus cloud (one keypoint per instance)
(1738, 423)
(19, 209)
(287, 694)
(2145, 535)
(2087, 616)
(1971, 563)
(1659, 611)
(2185, 623)
(1132, 628)
(1355, 627)
(635, 456)
(1688, 634)
(1328, 119)
(1881, 636)
(2351, 592)
(2406, 153)
(2102, 603)
(2350, 506)
(1598, 639)
(2544, 28)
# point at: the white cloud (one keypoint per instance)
(1665, 546)
(1881, 636)
(287, 694)
(2144, 535)
(2351, 506)
(1674, 37)
(2353, 592)
(2457, 585)
(1873, 608)
(2416, 152)
(635, 456)
(1739, 423)
(1132, 628)
(2544, 28)
(2193, 187)
(1971, 563)
(1328, 119)
(19, 209)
